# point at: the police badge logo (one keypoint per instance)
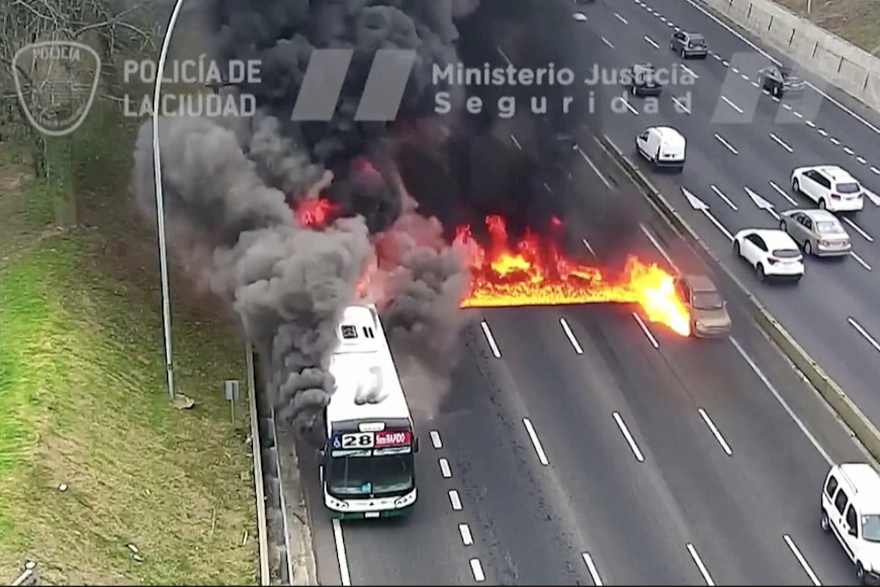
(56, 83)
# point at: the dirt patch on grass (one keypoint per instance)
(102, 480)
(857, 21)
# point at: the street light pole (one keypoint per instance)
(160, 198)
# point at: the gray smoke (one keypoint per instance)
(228, 182)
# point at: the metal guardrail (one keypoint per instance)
(259, 489)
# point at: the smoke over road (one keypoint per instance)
(228, 185)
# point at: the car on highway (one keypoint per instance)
(663, 147)
(818, 232)
(780, 80)
(830, 186)
(689, 45)
(642, 80)
(851, 512)
(770, 252)
(707, 308)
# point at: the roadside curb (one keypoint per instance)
(852, 416)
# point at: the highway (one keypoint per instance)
(583, 445)
(739, 138)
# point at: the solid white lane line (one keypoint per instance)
(703, 570)
(593, 166)
(589, 247)
(721, 195)
(477, 570)
(490, 339)
(466, 536)
(445, 469)
(535, 442)
(732, 105)
(607, 42)
(621, 19)
(781, 143)
(859, 230)
(594, 572)
(800, 558)
(657, 246)
(651, 41)
(516, 142)
(571, 338)
(340, 553)
(504, 55)
(861, 261)
(782, 193)
(647, 332)
(435, 440)
(715, 431)
(782, 402)
(689, 70)
(721, 140)
(455, 500)
(864, 334)
(629, 439)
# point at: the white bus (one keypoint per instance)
(368, 462)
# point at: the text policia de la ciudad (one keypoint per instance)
(202, 72)
(512, 76)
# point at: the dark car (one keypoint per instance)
(779, 80)
(642, 80)
(689, 45)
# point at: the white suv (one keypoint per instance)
(851, 512)
(829, 186)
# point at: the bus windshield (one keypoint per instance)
(376, 475)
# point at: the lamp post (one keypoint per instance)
(160, 198)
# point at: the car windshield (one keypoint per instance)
(360, 476)
(848, 188)
(786, 253)
(871, 528)
(829, 227)
(710, 300)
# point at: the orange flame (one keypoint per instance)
(314, 213)
(536, 274)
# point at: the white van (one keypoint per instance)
(662, 146)
(851, 511)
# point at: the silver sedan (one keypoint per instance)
(819, 232)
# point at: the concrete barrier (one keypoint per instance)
(844, 65)
(848, 411)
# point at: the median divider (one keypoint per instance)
(849, 412)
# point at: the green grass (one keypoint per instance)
(83, 402)
(857, 21)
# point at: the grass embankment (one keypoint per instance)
(83, 404)
(857, 21)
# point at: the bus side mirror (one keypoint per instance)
(416, 444)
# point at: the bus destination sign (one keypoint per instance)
(388, 438)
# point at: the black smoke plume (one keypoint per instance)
(228, 183)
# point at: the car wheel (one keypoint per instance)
(776, 91)
(633, 91)
(683, 54)
(822, 204)
(672, 46)
(824, 522)
(736, 249)
(860, 573)
(782, 226)
(808, 248)
(759, 272)
(795, 185)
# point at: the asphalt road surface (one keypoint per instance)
(739, 138)
(585, 445)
